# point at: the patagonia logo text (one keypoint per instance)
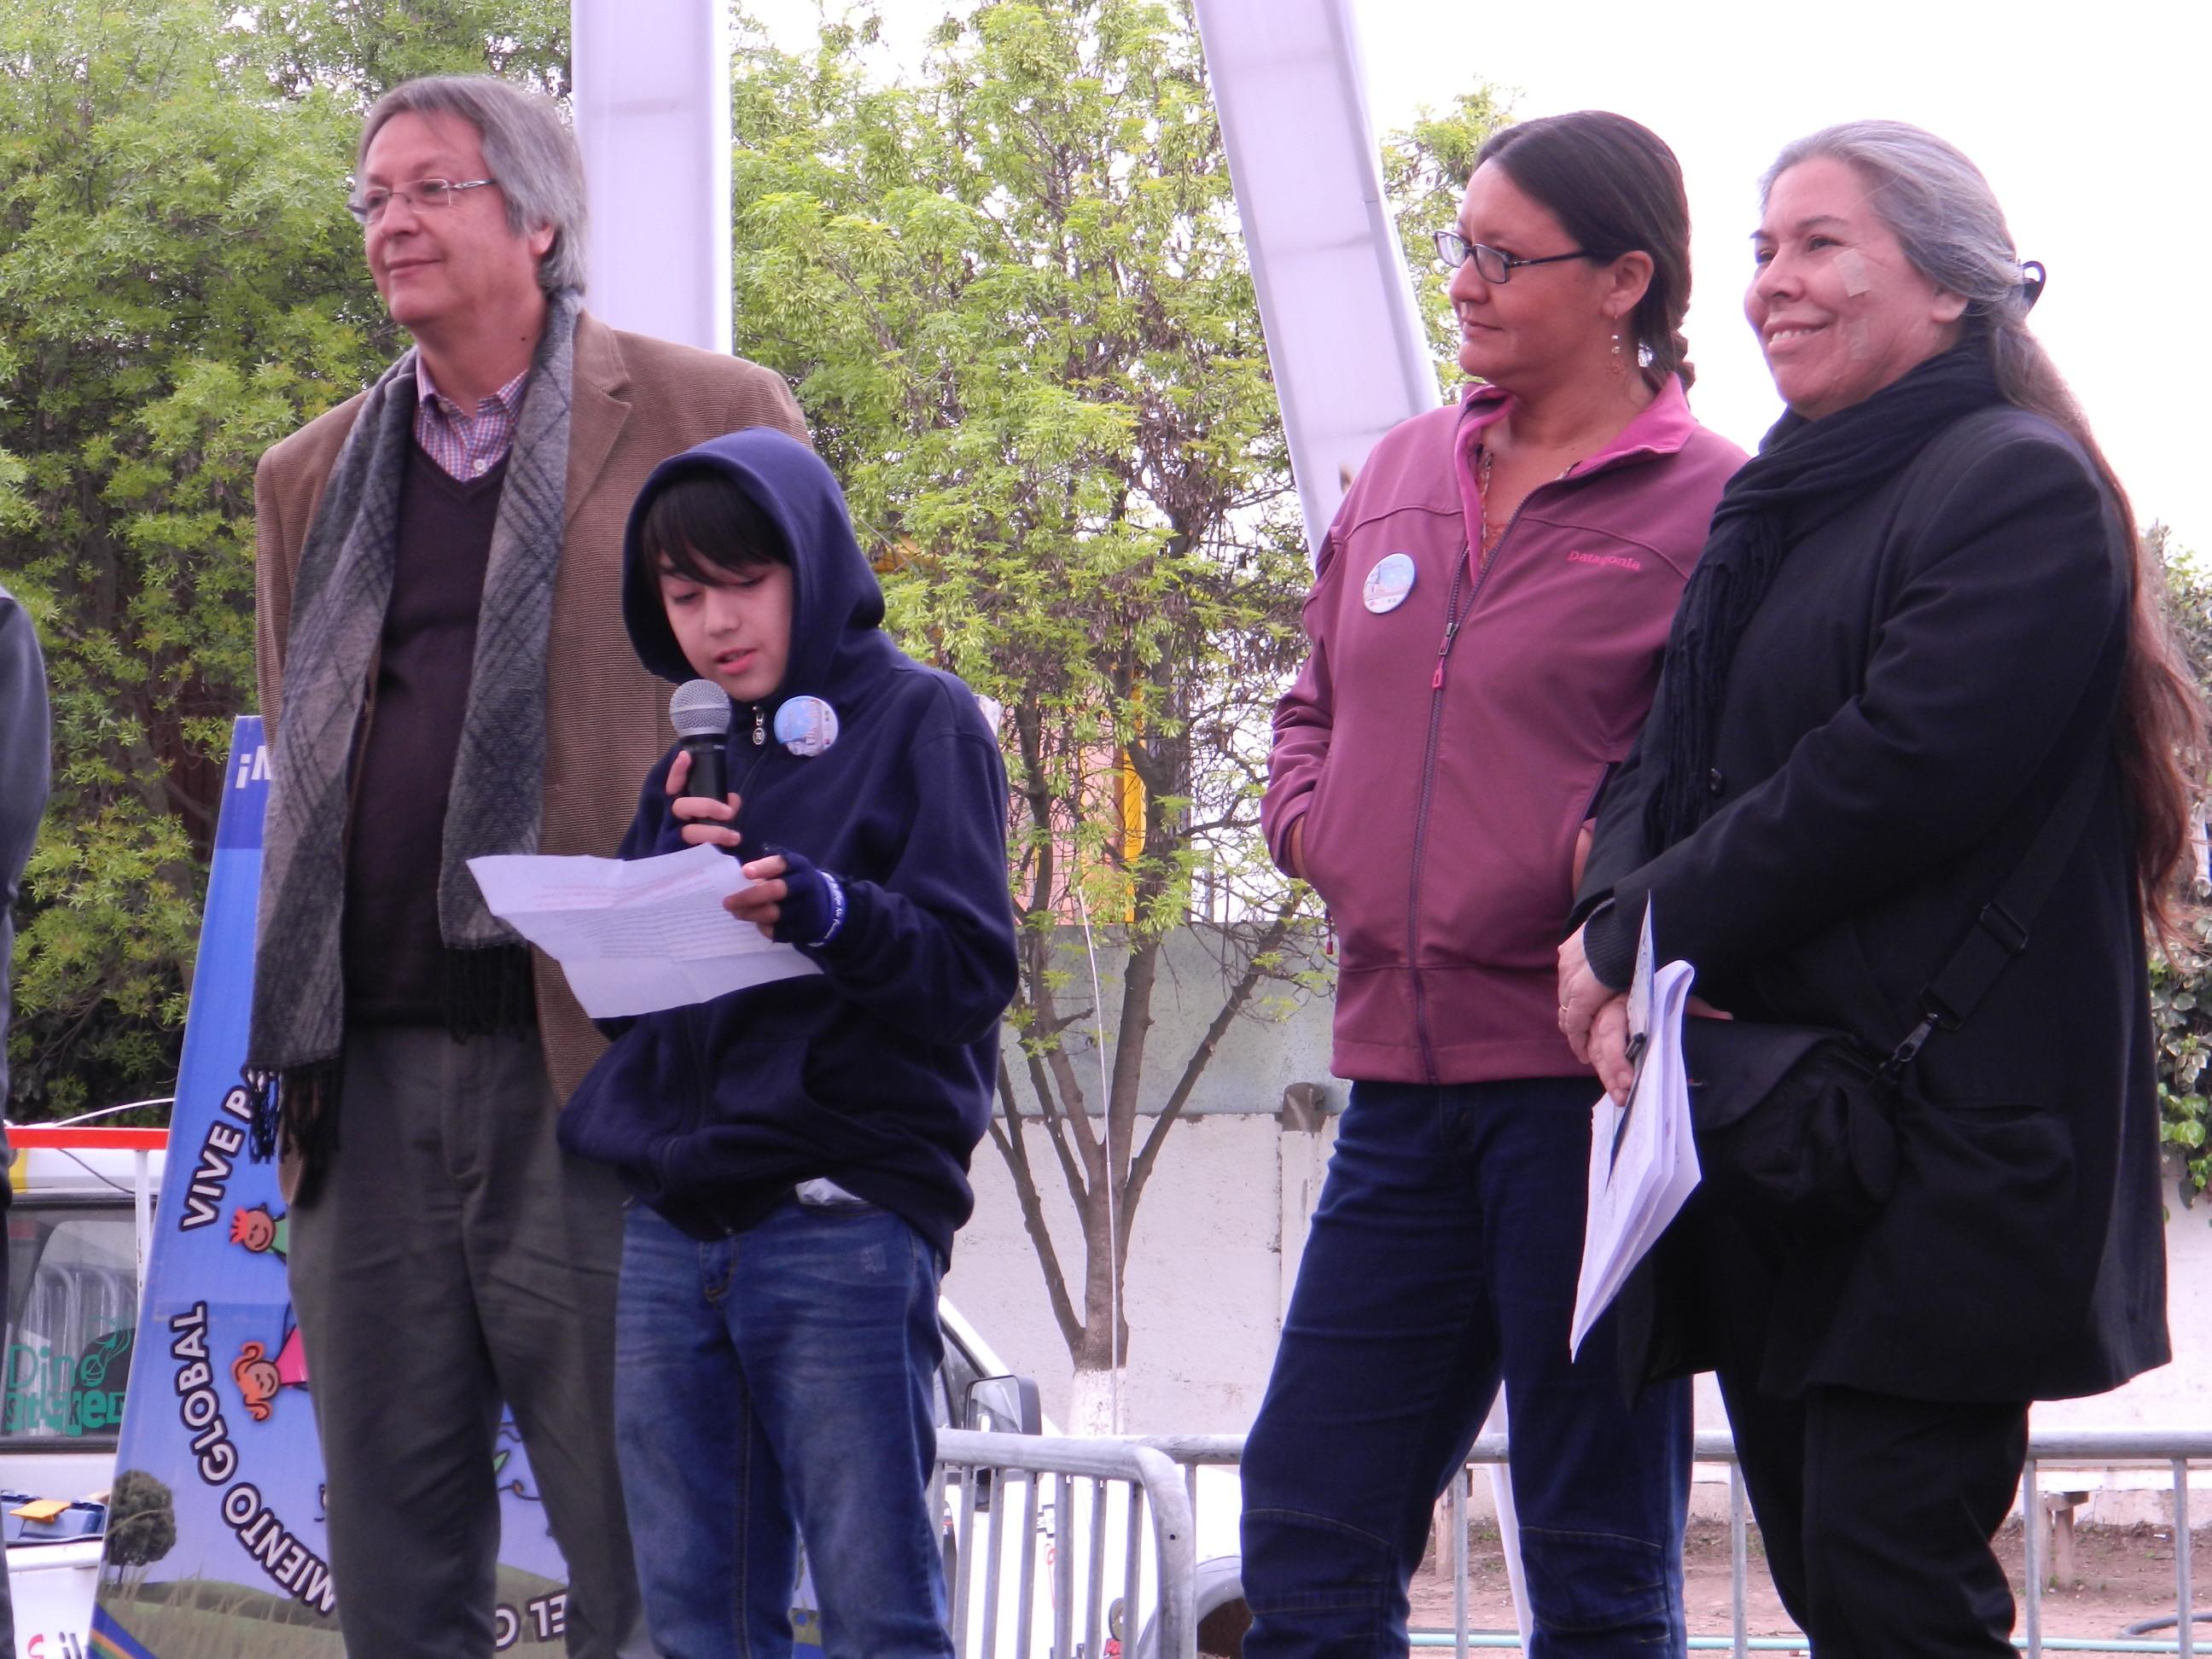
(1616, 560)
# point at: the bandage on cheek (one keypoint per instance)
(1860, 342)
(1850, 265)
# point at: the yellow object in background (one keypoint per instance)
(1131, 790)
(1132, 811)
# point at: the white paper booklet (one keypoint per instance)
(637, 935)
(1644, 1161)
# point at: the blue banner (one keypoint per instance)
(218, 1427)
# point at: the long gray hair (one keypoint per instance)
(1946, 220)
(527, 147)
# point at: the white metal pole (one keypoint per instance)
(142, 1209)
(1509, 1525)
(1344, 336)
(653, 117)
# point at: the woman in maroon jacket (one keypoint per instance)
(1487, 624)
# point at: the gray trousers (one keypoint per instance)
(453, 1257)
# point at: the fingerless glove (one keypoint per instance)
(813, 906)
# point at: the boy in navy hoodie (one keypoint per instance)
(799, 1149)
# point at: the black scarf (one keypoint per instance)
(1805, 472)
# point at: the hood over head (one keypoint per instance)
(837, 604)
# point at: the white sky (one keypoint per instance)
(2084, 118)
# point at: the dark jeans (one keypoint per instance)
(1443, 1262)
(773, 1386)
(1876, 1513)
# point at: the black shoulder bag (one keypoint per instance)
(1796, 1122)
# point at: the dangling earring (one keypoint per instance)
(1618, 365)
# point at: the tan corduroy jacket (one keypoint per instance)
(637, 401)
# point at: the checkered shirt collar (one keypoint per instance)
(464, 443)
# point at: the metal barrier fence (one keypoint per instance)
(2092, 1448)
(1136, 1498)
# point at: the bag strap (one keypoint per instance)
(2000, 932)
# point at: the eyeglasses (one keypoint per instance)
(421, 195)
(1493, 266)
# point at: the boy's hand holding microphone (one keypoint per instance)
(790, 901)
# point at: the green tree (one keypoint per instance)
(361, 47)
(1016, 301)
(2181, 989)
(180, 286)
(141, 1526)
(1424, 173)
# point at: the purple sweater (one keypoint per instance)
(1443, 771)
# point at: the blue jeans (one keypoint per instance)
(1443, 1262)
(772, 1386)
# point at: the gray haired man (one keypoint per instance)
(445, 675)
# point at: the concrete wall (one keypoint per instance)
(1207, 1273)
(1283, 1038)
(2178, 1395)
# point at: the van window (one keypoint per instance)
(72, 1322)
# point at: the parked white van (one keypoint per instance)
(78, 1232)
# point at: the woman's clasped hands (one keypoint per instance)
(1594, 1019)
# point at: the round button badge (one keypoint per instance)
(806, 726)
(1389, 583)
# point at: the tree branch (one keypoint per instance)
(1012, 1148)
(1278, 931)
(1055, 1120)
(1138, 975)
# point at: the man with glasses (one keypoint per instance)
(445, 675)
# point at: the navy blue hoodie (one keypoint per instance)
(879, 1073)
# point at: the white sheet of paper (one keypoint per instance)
(1644, 1161)
(637, 935)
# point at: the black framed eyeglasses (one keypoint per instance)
(1491, 264)
(421, 195)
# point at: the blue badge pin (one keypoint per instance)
(1389, 583)
(805, 725)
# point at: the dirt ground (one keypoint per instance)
(2121, 1575)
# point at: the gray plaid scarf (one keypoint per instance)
(341, 594)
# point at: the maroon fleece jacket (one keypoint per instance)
(1443, 752)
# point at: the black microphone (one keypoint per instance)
(700, 711)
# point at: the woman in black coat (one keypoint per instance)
(1922, 614)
